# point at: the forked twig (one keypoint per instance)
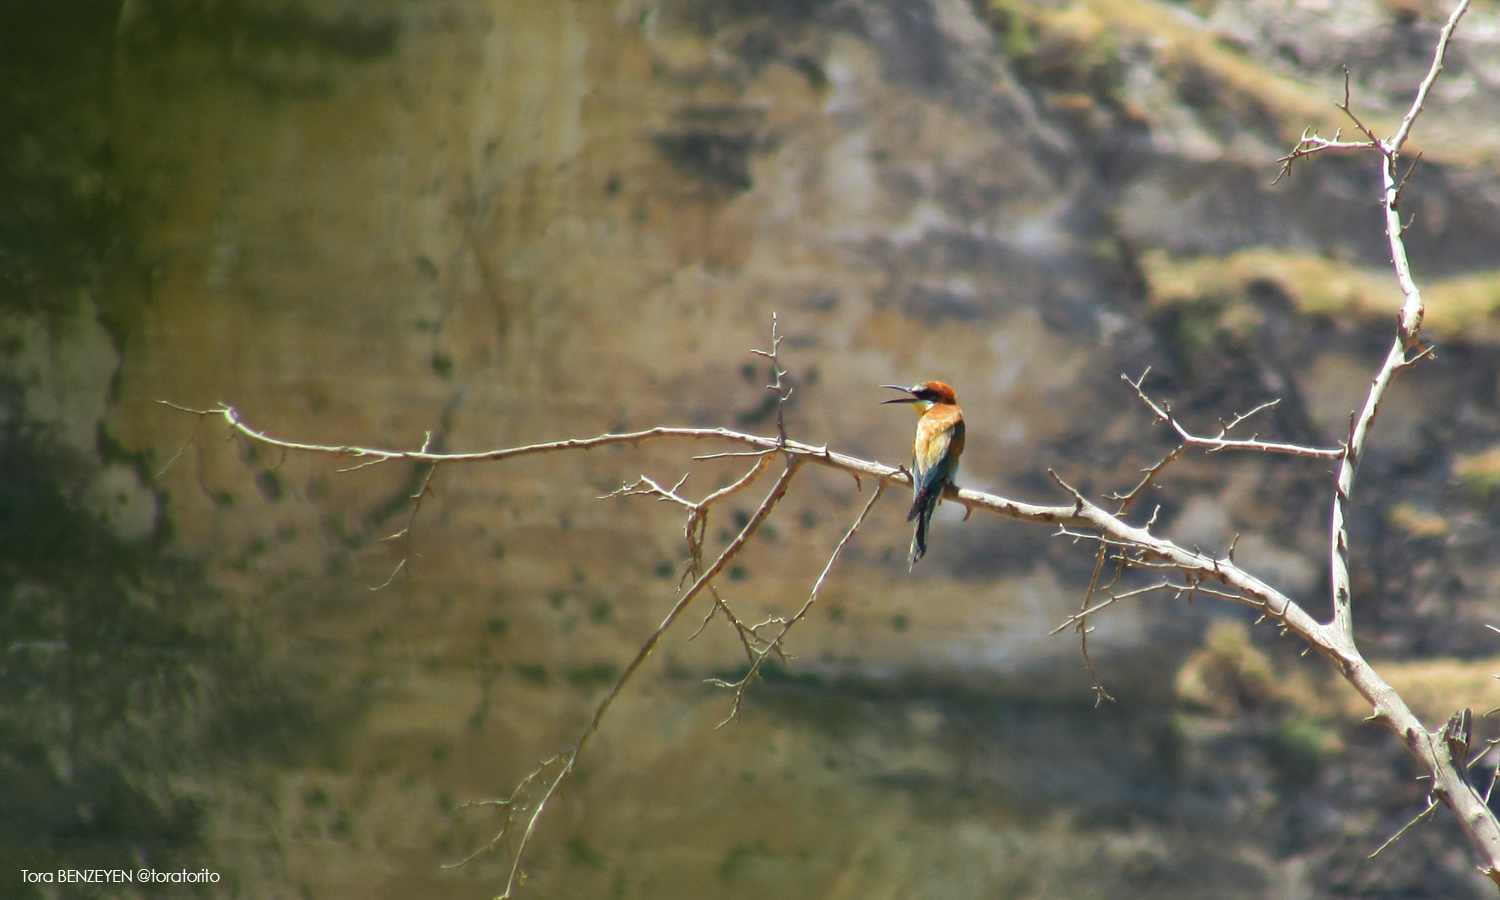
(570, 758)
(774, 645)
(1221, 441)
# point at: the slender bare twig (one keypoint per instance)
(1082, 614)
(693, 532)
(1222, 441)
(732, 454)
(404, 533)
(1347, 109)
(1420, 101)
(187, 440)
(1310, 143)
(1080, 619)
(569, 759)
(774, 644)
(1432, 804)
(1166, 584)
(783, 391)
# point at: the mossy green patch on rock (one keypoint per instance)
(1463, 308)
(1314, 284)
(1478, 475)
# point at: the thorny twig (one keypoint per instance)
(404, 533)
(1186, 440)
(1441, 755)
(1080, 620)
(783, 392)
(756, 647)
(694, 530)
(1311, 143)
(570, 758)
(1432, 804)
(1221, 441)
(774, 645)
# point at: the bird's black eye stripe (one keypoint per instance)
(924, 394)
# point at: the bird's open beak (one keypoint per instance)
(897, 387)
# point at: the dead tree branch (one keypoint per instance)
(1221, 441)
(775, 644)
(1450, 783)
(1079, 515)
(569, 760)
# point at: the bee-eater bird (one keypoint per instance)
(939, 443)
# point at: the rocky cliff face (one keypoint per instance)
(479, 224)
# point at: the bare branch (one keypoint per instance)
(1345, 108)
(1222, 441)
(1432, 804)
(775, 644)
(1398, 140)
(821, 455)
(1311, 144)
(570, 759)
(1449, 777)
(693, 531)
(1396, 199)
(400, 567)
(1078, 617)
(404, 533)
(1404, 352)
(1079, 517)
(783, 392)
(732, 454)
(201, 414)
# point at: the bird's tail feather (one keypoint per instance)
(921, 510)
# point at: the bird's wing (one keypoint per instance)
(935, 434)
